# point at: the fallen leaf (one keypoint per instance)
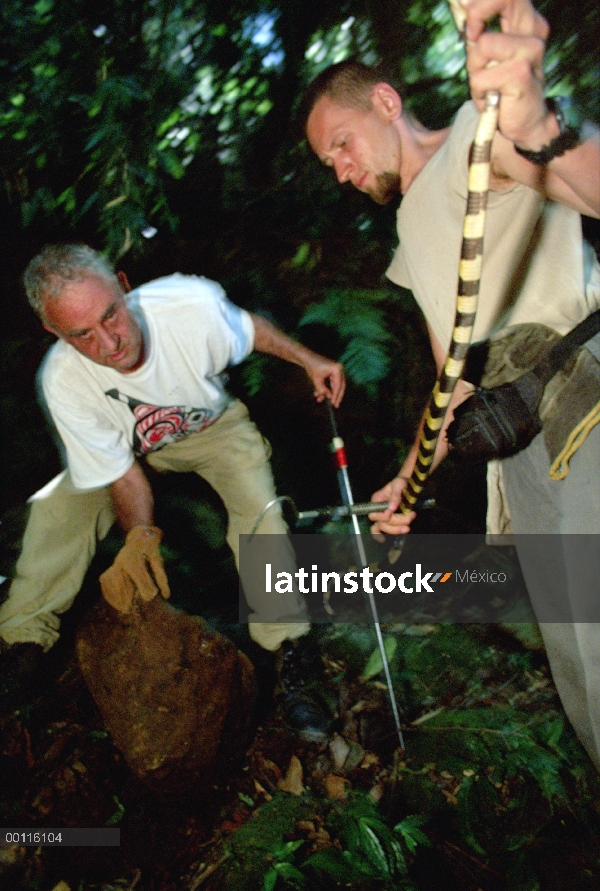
(318, 835)
(354, 757)
(335, 786)
(262, 791)
(376, 792)
(369, 760)
(359, 706)
(266, 771)
(340, 750)
(292, 782)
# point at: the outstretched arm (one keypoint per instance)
(133, 499)
(512, 62)
(138, 568)
(326, 375)
(389, 521)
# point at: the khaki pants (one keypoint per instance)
(563, 571)
(65, 525)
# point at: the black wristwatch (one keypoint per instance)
(569, 125)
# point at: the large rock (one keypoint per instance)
(176, 698)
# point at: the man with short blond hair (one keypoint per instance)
(537, 270)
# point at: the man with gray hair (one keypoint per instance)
(134, 380)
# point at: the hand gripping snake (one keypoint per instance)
(468, 287)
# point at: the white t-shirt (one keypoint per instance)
(192, 332)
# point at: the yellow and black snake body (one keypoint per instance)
(468, 292)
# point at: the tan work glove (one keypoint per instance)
(138, 569)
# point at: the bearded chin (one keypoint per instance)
(388, 187)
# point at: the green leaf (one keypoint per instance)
(264, 107)
(301, 255)
(103, 132)
(270, 879)
(330, 862)
(373, 847)
(43, 6)
(375, 663)
(289, 871)
(398, 855)
(555, 730)
(283, 851)
(170, 122)
(118, 815)
(255, 372)
(467, 811)
(89, 202)
(411, 833)
(67, 197)
(172, 164)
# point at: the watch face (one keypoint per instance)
(567, 113)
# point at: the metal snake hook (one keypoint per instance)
(346, 493)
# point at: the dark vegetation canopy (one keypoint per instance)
(162, 131)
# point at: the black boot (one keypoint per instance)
(22, 671)
(300, 682)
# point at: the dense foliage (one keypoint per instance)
(162, 132)
(107, 106)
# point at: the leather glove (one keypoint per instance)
(138, 569)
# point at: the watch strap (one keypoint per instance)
(568, 137)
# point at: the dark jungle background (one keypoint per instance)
(162, 131)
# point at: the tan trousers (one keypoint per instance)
(65, 525)
(561, 566)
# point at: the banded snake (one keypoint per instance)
(468, 287)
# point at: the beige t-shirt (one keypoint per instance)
(536, 265)
(533, 254)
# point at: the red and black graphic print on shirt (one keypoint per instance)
(156, 426)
